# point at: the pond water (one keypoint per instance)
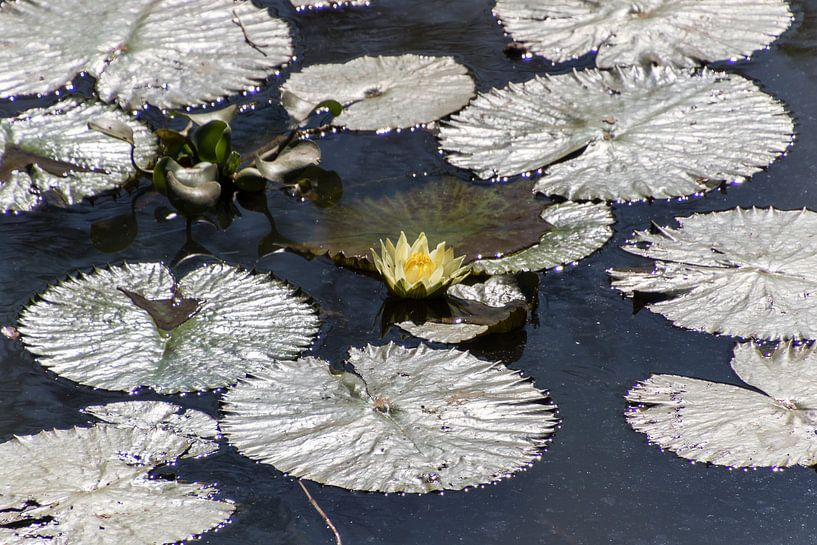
(599, 481)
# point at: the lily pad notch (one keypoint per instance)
(730, 425)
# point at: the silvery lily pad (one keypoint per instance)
(52, 150)
(577, 230)
(494, 306)
(472, 219)
(407, 420)
(750, 273)
(640, 133)
(197, 428)
(167, 53)
(657, 31)
(91, 485)
(135, 325)
(728, 425)
(379, 93)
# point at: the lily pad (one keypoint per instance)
(750, 273)
(639, 133)
(52, 150)
(379, 93)
(407, 420)
(474, 220)
(197, 428)
(577, 230)
(91, 485)
(168, 53)
(494, 306)
(733, 426)
(87, 330)
(657, 31)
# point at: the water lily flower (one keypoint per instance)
(414, 272)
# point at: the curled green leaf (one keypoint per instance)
(213, 142)
(192, 195)
(296, 157)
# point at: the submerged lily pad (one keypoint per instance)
(658, 31)
(167, 53)
(407, 420)
(87, 330)
(474, 220)
(385, 92)
(658, 132)
(728, 425)
(91, 485)
(750, 273)
(577, 230)
(197, 428)
(494, 306)
(52, 150)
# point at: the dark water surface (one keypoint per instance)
(599, 482)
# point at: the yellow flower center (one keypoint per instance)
(418, 266)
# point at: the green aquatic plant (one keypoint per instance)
(197, 164)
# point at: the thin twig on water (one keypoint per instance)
(321, 512)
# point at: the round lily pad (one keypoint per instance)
(749, 273)
(407, 420)
(52, 151)
(91, 485)
(628, 33)
(385, 92)
(135, 325)
(626, 134)
(475, 220)
(733, 426)
(168, 53)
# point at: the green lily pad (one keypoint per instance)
(476, 220)
(225, 323)
(53, 151)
